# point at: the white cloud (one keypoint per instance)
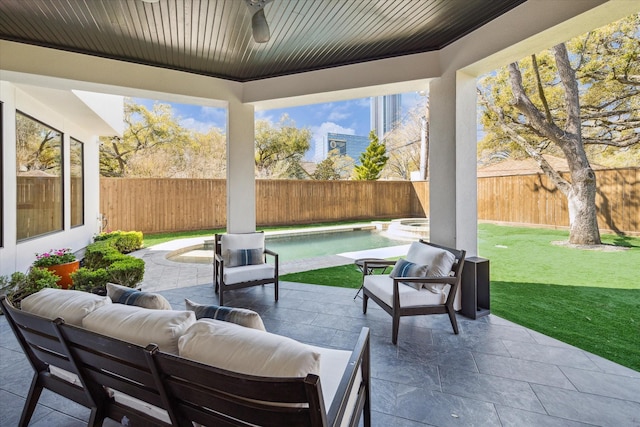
(214, 113)
(200, 126)
(264, 115)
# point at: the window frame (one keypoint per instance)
(73, 141)
(61, 225)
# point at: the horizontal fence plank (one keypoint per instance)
(164, 205)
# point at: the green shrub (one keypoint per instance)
(101, 254)
(124, 241)
(87, 280)
(128, 271)
(20, 285)
(129, 241)
(104, 261)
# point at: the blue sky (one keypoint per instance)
(350, 117)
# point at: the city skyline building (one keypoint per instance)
(385, 114)
(350, 145)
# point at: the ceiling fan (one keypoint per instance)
(259, 24)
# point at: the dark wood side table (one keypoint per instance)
(373, 265)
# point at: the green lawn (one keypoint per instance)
(589, 299)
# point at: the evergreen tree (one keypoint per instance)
(372, 160)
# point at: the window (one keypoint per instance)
(77, 183)
(39, 178)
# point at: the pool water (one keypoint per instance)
(314, 245)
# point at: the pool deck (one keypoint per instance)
(494, 373)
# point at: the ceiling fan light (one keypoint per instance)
(260, 27)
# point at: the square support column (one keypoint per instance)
(453, 213)
(241, 182)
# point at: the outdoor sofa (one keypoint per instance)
(149, 366)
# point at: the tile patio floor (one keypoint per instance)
(494, 373)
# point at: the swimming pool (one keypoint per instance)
(297, 246)
(303, 246)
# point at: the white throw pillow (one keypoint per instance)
(248, 351)
(141, 326)
(71, 305)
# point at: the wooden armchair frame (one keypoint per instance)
(221, 287)
(396, 311)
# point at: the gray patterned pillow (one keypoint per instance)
(124, 295)
(239, 257)
(404, 268)
(240, 316)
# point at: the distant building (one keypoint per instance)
(385, 114)
(350, 145)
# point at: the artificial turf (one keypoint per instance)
(586, 298)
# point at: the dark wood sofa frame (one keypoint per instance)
(187, 390)
(220, 287)
(396, 311)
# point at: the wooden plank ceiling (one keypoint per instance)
(214, 37)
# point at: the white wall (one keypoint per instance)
(16, 256)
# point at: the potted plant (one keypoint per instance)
(62, 262)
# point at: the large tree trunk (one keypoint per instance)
(581, 191)
(582, 208)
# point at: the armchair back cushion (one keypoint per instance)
(242, 249)
(440, 262)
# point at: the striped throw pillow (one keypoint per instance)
(124, 295)
(239, 257)
(240, 316)
(404, 268)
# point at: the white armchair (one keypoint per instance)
(426, 282)
(240, 261)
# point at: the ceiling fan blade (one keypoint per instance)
(260, 27)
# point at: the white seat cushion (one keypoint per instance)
(333, 363)
(382, 286)
(247, 273)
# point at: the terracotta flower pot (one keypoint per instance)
(64, 271)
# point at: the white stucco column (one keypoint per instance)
(241, 183)
(466, 163)
(452, 162)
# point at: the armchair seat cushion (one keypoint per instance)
(247, 273)
(382, 286)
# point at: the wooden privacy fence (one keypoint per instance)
(161, 205)
(534, 200)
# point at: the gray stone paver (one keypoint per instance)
(494, 373)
